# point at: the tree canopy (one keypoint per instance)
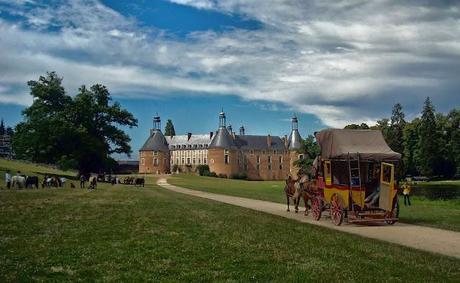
(2, 128)
(78, 132)
(310, 149)
(169, 129)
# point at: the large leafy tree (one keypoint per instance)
(80, 132)
(453, 145)
(169, 129)
(310, 150)
(428, 147)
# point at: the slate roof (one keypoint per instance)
(156, 142)
(247, 142)
(184, 140)
(222, 139)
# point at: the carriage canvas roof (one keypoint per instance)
(370, 144)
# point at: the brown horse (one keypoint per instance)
(296, 189)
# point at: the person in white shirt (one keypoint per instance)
(8, 179)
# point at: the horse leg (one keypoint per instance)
(307, 208)
(296, 201)
(287, 198)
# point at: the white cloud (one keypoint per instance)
(343, 61)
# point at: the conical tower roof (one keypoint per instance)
(222, 139)
(156, 142)
(295, 140)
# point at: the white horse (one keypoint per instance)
(19, 181)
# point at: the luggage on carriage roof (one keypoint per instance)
(370, 144)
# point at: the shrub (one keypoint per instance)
(211, 174)
(222, 175)
(203, 170)
(240, 176)
(175, 168)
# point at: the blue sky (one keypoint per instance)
(331, 62)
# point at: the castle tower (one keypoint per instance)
(154, 154)
(242, 131)
(294, 144)
(222, 152)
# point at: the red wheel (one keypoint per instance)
(336, 210)
(316, 208)
(394, 213)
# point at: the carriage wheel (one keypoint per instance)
(316, 208)
(394, 213)
(336, 210)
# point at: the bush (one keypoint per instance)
(222, 175)
(203, 170)
(175, 168)
(240, 176)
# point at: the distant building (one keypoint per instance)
(260, 157)
(5, 146)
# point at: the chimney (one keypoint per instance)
(269, 141)
(211, 134)
(229, 128)
(189, 135)
(233, 135)
(285, 139)
(242, 130)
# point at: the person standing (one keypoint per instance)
(8, 179)
(406, 193)
(82, 181)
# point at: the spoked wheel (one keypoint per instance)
(316, 208)
(394, 213)
(336, 210)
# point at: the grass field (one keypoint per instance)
(443, 214)
(150, 234)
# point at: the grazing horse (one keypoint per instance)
(32, 181)
(18, 181)
(92, 183)
(140, 182)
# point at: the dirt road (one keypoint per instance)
(419, 237)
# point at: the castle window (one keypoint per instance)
(269, 166)
(189, 146)
(204, 161)
(195, 146)
(177, 160)
(281, 162)
(274, 152)
(258, 159)
(143, 161)
(252, 152)
(226, 159)
(263, 152)
(269, 159)
(183, 161)
(206, 145)
(300, 156)
(155, 162)
(155, 153)
(188, 160)
(193, 161)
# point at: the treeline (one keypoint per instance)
(429, 144)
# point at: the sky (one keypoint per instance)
(331, 63)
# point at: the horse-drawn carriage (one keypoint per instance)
(355, 177)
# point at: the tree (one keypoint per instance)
(428, 148)
(2, 128)
(9, 131)
(363, 126)
(169, 129)
(78, 132)
(310, 150)
(453, 145)
(410, 144)
(395, 131)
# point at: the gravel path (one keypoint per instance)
(423, 238)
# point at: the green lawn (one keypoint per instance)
(443, 214)
(121, 233)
